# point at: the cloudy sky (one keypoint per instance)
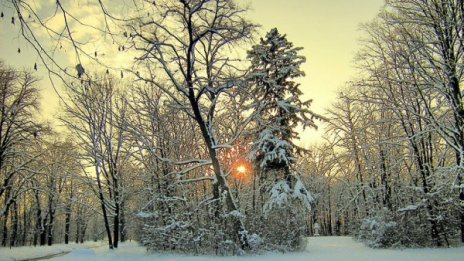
(327, 29)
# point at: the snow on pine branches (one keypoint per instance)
(275, 63)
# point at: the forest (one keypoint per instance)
(190, 142)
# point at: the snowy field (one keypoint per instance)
(321, 248)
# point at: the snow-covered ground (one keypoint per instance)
(27, 253)
(320, 248)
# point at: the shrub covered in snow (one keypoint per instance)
(378, 232)
(410, 226)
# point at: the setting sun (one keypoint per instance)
(241, 169)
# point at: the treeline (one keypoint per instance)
(41, 185)
(391, 169)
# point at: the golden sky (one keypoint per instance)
(327, 29)
(329, 32)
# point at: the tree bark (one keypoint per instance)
(220, 183)
(5, 219)
(122, 223)
(103, 207)
(67, 223)
(15, 221)
(51, 221)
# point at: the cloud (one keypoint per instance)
(85, 21)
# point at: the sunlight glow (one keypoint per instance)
(241, 169)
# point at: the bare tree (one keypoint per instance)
(190, 41)
(431, 33)
(96, 114)
(18, 131)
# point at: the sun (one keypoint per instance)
(241, 169)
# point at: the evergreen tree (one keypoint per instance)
(275, 63)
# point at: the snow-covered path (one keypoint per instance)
(320, 248)
(39, 252)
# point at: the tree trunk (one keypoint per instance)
(67, 223)
(42, 233)
(430, 208)
(116, 227)
(460, 163)
(329, 212)
(5, 229)
(78, 227)
(51, 220)
(5, 218)
(103, 207)
(105, 218)
(83, 232)
(26, 224)
(15, 221)
(39, 222)
(386, 201)
(461, 197)
(220, 184)
(122, 223)
(117, 203)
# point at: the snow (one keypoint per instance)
(274, 149)
(408, 208)
(235, 214)
(279, 196)
(301, 193)
(281, 192)
(319, 248)
(31, 252)
(143, 214)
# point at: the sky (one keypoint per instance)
(328, 30)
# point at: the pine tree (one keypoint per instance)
(275, 63)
